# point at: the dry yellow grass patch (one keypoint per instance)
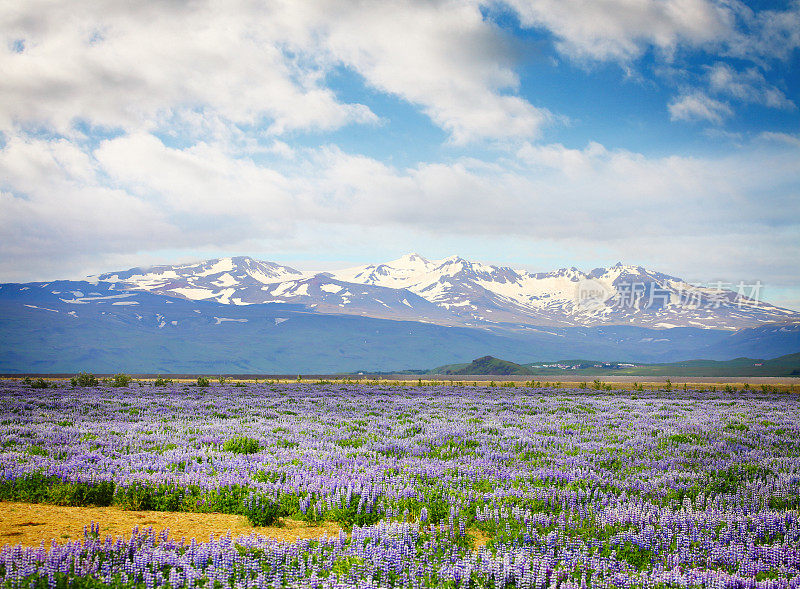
(31, 524)
(479, 538)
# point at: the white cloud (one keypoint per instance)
(441, 56)
(697, 106)
(679, 32)
(205, 100)
(623, 29)
(214, 65)
(767, 34)
(747, 86)
(118, 64)
(53, 208)
(134, 193)
(201, 181)
(788, 138)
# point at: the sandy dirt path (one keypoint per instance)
(31, 524)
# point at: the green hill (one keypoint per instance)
(485, 365)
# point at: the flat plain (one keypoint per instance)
(397, 484)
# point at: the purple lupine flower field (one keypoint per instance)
(573, 488)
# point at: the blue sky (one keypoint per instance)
(538, 133)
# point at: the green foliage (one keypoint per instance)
(70, 581)
(737, 427)
(341, 567)
(170, 497)
(637, 557)
(38, 488)
(202, 381)
(350, 515)
(82, 494)
(677, 439)
(261, 511)
(39, 383)
(728, 480)
(134, 497)
(121, 380)
(84, 379)
(784, 503)
(771, 574)
(452, 448)
(351, 443)
(162, 382)
(242, 445)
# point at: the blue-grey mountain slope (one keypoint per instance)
(68, 326)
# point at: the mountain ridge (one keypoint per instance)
(70, 326)
(455, 291)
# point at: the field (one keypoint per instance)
(430, 486)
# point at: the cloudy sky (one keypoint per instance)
(324, 133)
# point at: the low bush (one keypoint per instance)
(84, 379)
(242, 445)
(121, 380)
(203, 381)
(261, 511)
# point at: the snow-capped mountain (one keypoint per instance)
(455, 291)
(245, 281)
(617, 295)
(225, 280)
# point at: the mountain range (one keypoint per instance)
(240, 315)
(455, 291)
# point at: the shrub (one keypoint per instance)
(82, 494)
(39, 383)
(162, 382)
(134, 497)
(242, 445)
(261, 511)
(84, 379)
(202, 381)
(121, 380)
(36, 487)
